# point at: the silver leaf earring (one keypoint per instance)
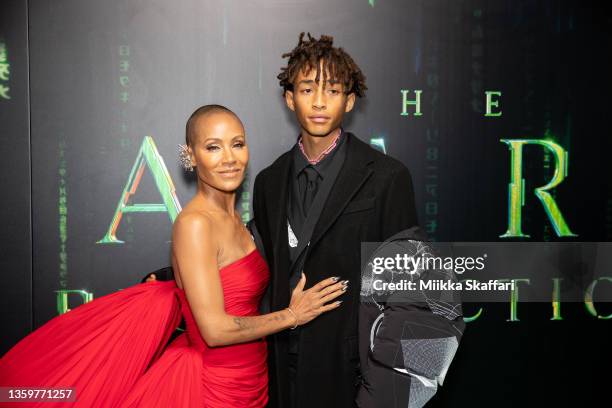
(185, 157)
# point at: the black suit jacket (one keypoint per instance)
(372, 199)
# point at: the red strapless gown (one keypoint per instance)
(113, 350)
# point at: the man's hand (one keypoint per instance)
(159, 275)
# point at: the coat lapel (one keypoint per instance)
(353, 174)
(277, 221)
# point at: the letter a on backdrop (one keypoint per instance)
(150, 157)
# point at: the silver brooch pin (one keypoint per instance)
(293, 241)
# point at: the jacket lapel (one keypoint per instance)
(353, 174)
(277, 222)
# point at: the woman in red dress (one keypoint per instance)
(113, 350)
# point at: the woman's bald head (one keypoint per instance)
(202, 113)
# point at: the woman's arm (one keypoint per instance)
(196, 254)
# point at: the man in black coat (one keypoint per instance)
(313, 208)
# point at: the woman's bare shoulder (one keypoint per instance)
(193, 224)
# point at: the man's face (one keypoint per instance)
(319, 107)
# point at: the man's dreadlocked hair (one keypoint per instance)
(307, 55)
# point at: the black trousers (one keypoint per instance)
(294, 337)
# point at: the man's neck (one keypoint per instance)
(315, 145)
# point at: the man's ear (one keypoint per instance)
(289, 100)
(350, 102)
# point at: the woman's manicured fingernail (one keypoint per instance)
(335, 278)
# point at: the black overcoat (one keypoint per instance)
(371, 200)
